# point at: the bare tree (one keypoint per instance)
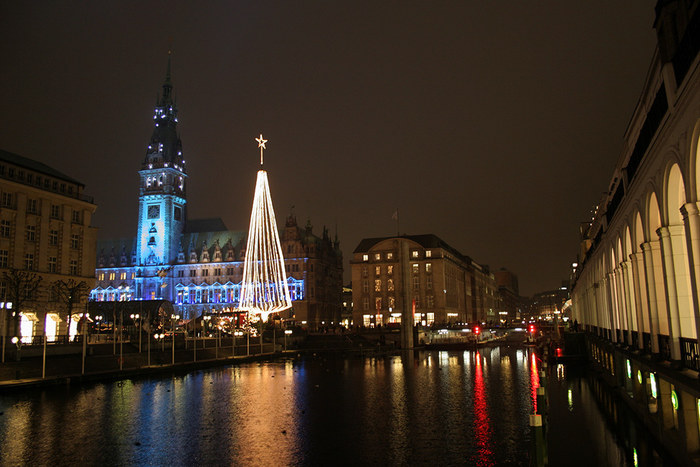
(22, 287)
(69, 293)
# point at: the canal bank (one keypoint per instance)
(663, 397)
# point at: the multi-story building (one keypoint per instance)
(549, 303)
(511, 303)
(44, 230)
(198, 263)
(437, 282)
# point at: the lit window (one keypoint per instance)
(428, 253)
(112, 276)
(378, 285)
(390, 270)
(365, 257)
(377, 270)
(392, 302)
(377, 256)
(101, 276)
(428, 267)
(415, 268)
(390, 285)
(414, 254)
(378, 303)
(390, 255)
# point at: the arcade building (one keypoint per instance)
(197, 264)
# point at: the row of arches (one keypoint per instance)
(641, 285)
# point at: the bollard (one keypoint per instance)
(541, 401)
(538, 441)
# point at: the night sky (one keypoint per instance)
(494, 125)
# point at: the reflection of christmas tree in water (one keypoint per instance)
(264, 289)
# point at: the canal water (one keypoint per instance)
(426, 408)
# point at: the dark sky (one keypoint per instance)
(494, 125)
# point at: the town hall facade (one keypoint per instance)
(198, 264)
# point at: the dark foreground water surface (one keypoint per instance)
(426, 408)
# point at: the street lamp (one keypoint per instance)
(174, 318)
(135, 318)
(287, 332)
(236, 335)
(4, 306)
(205, 325)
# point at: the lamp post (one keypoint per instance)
(18, 343)
(205, 325)
(236, 334)
(174, 318)
(4, 306)
(218, 339)
(287, 332)
(135, 318)
(156, 336)
(98, 320)
(121, 339)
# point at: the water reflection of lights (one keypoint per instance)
(482, 428)
(560, 372)
(443, 358)
(534, 380)
(570, 399)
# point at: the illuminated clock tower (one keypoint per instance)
(162, 197)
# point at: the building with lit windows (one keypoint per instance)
(437, 282)
(636, 280)
(44, 229)
(197, 264)
(511, 303)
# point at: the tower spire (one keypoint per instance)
(167, 85)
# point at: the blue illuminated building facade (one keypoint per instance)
(198, 264)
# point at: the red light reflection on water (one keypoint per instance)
(482, 428)
(534, 380)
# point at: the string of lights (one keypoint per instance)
(264, 289)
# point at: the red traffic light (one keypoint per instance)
(531, 329)
(477, 330)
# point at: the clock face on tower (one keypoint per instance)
(153, 212)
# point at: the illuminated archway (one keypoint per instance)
(677, 266)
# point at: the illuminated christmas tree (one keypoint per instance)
(264, 289)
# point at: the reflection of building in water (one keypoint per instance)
(44, 230)
(198, 263)
(421, 272)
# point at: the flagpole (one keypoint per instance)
(398, 230)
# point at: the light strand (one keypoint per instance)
(264, 289)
